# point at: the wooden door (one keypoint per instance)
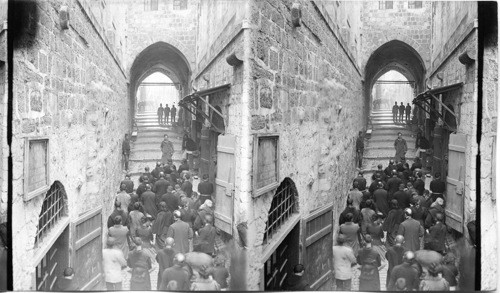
(53, 263)
(455, 182)
(87, 245)
(224, 183)
(318, 256)
(280, 265)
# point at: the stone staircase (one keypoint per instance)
(379, 147)
(145, 150)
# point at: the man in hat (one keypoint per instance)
(166, 114)
(395, 110)
(129, 184)
(118, 211)
(401, 112)
(160, 114)
(167, 149)
(394, 256)
(67, 282)
(126, 150)
(113, 262)
(360, 146)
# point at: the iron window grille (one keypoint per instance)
(385, 5)
(282, 207)
(414, 4)
(52, 211)
(180, 4)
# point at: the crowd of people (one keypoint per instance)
(164, 113)
(164, 223)
(399, 221)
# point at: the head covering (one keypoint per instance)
(209, 203)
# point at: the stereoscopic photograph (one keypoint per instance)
(248, 145)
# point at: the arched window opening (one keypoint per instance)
(282, 207)
(53, 209)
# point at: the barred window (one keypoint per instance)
(282, 207)
(414, 4)
(53, 209)
(385, 5)
(180, 4)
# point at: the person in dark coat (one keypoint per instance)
(352, 210)
(187, 186)
(176, 273)
(437, 187)
(361, 181)
(129, 184)
(67, 282)
(412, 231)
(184, 166)
(418, 212)
(118, 211)
(140, 263)
(408, 112)
(126, 150)
(181, 232)
(417, 164)
(395, 110)
(160, 226)
(142, 187)
(173, 112)
(360, 147)
(388, 170)
(206, 189)
(148, 199)
(436, 207)
(380, 199)
(296, 281)
(166, 114)
(406, 271)
(165, 259)
(205, 242)
(392, 222)
(402, 197)
(156, 171)
(374, 184)
(400, 147)
(401, 112)
(450, 270)
(394, 256)
(171, 199)
(159, 112)
(393, 185)
(220, 272)
(146, 174)
(419, 184)
(380, 171)
(369, 259)
(161, 186)
(436, 238)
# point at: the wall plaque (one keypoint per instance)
(36, 167)
(265, 163)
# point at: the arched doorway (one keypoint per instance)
(156, 89)
(159, 57)
(286, 255)
(52, 238)
(393, 56)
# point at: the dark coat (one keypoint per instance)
(361, 182)
(187, 187)
(380, 199)
(115, 213)
(407, 272)
(165, 259)
(206, 241)
(140, 263)
(129, 185)
(412, 231)
(403, 199)
(175, 273)
(419, 186)
(393, 185)
(369, 279)
(391, 224)
(394, 256)
(160, 187)
(172, 201)
(356, 218)
(148, 199)
(436, 238)
(295, 283)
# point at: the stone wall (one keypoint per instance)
(4, 151)
(305, 88)
(464, 100)
(213, 70)
(175, 27)
(411, 26)
(488, 151)
(69, 89)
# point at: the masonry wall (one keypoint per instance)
(222, 33)
(307, 89)
(4, 151)
(488, 145)
(463, 100)
(412, 26)
(69, 89)
(145, 27)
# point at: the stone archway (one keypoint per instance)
(393, 55)
(159, 57)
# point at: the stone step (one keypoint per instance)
(396, 128)
(389, 138)
(155, 140)
(383, 152)
(153, 155)
(373, 144)
(161, 129)
(393, 131)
